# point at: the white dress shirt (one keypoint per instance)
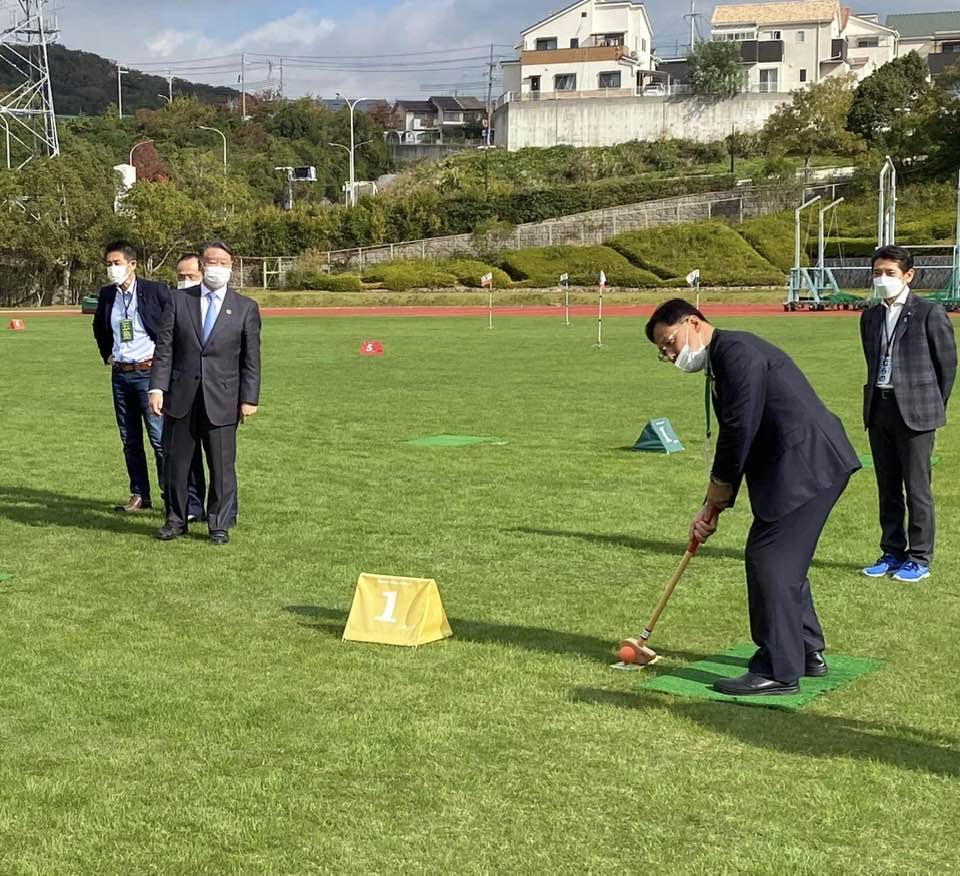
(892, 317)
(141, 347)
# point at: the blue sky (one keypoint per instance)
(168, 34)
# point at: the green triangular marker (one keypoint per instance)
(455, 440)
(658, 437)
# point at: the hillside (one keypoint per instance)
(86, 84)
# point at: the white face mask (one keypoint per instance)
(117, 274)
(216, 276)
(888, 287)
(186, 284)
(689, 360)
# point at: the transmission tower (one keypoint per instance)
(26, 110)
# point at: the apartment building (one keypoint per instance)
(787, 45)
(591, 47)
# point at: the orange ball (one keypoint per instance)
(628, 654)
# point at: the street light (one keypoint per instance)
(352, 194)
(137, 146)
(353, 181)
(218, 131)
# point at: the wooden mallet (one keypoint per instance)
(634, 652)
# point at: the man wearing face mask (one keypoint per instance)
(206, 380)
(189, 275)
(911, 359)
(125, 326)
(775, 433)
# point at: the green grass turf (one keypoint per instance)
(180, 708)
(455, 440)
(696, 680)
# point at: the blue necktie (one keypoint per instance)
(211, 319)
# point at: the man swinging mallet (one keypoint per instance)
(794, 454)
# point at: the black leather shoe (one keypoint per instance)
(816, 666)
(197, 518)
(219, 536)
(750, 684)
(134, 503)
(169, 533)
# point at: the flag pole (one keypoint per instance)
(565, 283)
(490, 306)
(603, 282)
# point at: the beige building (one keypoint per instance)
(787, 45)
(589, 48)
(933, 35)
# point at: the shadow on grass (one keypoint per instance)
(47, 508)
(800, 733)
(657, 546)
(332, 622)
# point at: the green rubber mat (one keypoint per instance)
(455, 440)
(696, 680)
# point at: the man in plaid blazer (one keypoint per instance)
(911, 358)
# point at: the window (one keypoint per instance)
(583, 14)
(740, 36)
(868, 43)
(643, 43)
(803, 75)
(771, 34)
(574, 43)
(565, 82)
(546, 44)
(610, 39)
(801, 36)
(609, 80)
(769, 80)
(534, 83)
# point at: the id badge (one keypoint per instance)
(126, 330)
(886, 369)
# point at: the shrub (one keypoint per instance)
(399, 276)
(773, 237)
(324, 282)
(469, 272)
(542, 266)
(723, 256)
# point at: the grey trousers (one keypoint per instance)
(901, 460)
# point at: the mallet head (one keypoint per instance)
(636, 653)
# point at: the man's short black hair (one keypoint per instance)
(122, 247)
(897, 254)
(215, 244)
(189, 255)
(670, 313)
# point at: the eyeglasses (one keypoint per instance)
(664, 350)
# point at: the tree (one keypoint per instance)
(815, 122)
(892, 106)
(716, 69)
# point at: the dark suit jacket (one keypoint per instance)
(774, 430)
(227, 367)
(924, 361)
(152, 300)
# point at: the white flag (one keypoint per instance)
(564, 279)
(603, 279)
(486, 280)
(693, 277)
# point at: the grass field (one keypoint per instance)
(178, 708)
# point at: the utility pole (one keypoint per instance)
(281, 77)
(693, 22)
(489, 95)
(170, 86)
(243, 86)
(352, 194)
(120, 74)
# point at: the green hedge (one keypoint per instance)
(542, 266)
(319, 281)
(414, 274)
(723, 256)
(773, 237)
(469, 271)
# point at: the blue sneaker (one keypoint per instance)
(884, 566)
(911, 571)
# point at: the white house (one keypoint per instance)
(933, 35)
(591, 47)
(787, 45)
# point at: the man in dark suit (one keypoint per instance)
(125, 326)
(911, 358)
(206, 379)
(796, 459)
